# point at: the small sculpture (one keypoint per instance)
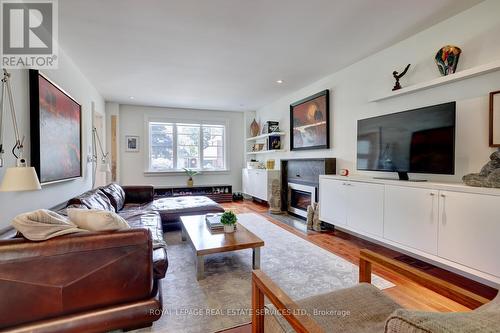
(489, 176)
(313, 221)
(447, 59)
(397, 76)
(275, 200)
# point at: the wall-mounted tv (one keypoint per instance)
(416, 141)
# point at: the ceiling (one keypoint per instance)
(228, 54)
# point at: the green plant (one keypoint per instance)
(228, 218)
(190, 172)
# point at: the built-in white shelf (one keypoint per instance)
(265, 151)
(263, 136)
(462, 75)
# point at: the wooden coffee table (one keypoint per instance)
(205, 242)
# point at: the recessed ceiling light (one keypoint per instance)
(279, 81)
(132, 97)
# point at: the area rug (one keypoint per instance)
(222, 300)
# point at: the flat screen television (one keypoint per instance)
(415, 141)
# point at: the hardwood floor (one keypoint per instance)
(407, 293)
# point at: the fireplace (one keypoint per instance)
(300, 196)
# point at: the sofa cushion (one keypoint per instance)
(115, 194)
(359, 309)
(171, 209)
(93, 199)
(96, 220)
(150, 220)
(485, 319)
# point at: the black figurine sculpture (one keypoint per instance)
(397, 76)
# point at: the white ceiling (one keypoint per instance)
(228, 54)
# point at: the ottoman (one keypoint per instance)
(171, 209)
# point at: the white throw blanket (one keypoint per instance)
(44, 224)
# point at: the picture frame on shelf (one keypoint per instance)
(274, 142)
(310, 122)
(132, 143)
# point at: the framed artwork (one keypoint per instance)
(495, 119)
(56, 131)
(131, 143)
(309, 122)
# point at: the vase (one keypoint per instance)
(447, 59)
(190, 182)
(228, 228)
(254, 128)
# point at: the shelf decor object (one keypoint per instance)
(309, 122)
(254, 128)
(21, 177)
(442, 80)
(489, 176)
(495, 119)
(56, 131)
(398, 76)
(447, 59)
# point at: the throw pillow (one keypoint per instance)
(43, 224)
(96, 220)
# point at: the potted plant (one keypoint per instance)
(190, 173)
(228, 219)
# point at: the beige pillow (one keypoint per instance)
(96, 220)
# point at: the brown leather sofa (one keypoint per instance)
(92, 282)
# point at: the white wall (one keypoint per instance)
(476, 31)
(132, 164)
(69, 77)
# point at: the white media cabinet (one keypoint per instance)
(451, 225)
(257, 182)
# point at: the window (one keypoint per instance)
(174, 146)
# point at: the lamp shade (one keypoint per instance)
(20, 179)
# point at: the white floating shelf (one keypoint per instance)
(263, 136)
(458, 76)
(265, 151)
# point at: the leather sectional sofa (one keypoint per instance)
(90, 282)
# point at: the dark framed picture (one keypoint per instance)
(132, 142)
(56, 131)
(495, 119)
(309, 122)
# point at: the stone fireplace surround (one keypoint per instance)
(304, 171)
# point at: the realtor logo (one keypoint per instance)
(29, 34)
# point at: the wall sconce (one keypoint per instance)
(96, 142)
(21, 177)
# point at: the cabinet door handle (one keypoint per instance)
(443, 216)
(432, 194)
(432, 209)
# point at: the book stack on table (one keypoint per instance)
(213, 222)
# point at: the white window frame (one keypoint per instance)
(175, 121)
